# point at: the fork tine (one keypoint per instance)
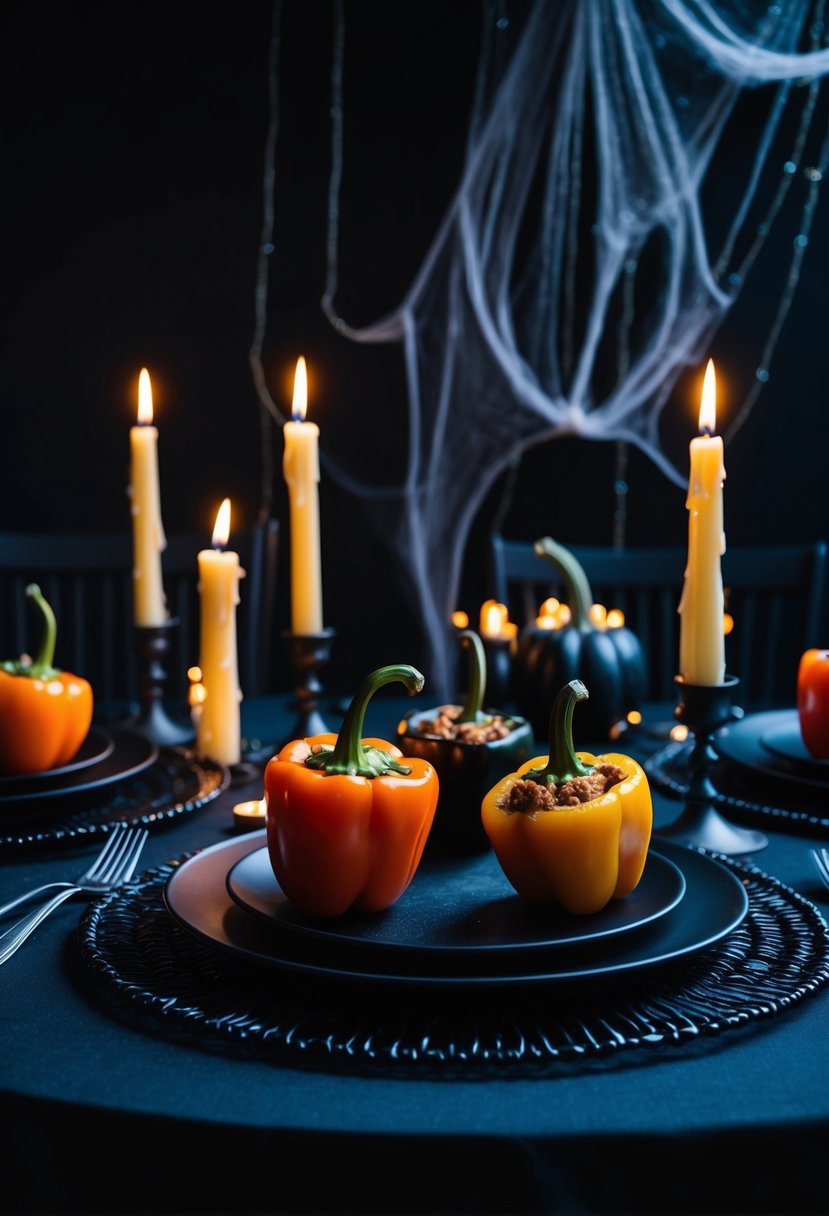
(113, 843)
(121, 855)
(132, 856)
(821, 859)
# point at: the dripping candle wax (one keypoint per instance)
(218, 725)
(149, 602)
(701, 638)
(301, 470)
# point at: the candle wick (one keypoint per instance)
(707, 431)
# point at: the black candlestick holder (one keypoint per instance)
(153, 645)
(308, 654)
(704, 709)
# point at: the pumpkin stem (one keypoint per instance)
(577, 588)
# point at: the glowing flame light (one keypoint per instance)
(552, 614)
(221, 530)
(299, 406)
(145, 398)
(495, 622)
(708, 405)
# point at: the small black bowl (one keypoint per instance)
(466, 772)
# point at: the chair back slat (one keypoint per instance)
(776, 595)
(88, 582)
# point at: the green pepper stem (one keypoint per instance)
(476, 679)
(562, 762)
(43, 663)
(577, 588)
(349, 755)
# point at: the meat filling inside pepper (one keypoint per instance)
(527, 796)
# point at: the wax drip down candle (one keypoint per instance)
(149, 540)
(218, 726)
(301, 470)
(702, 604)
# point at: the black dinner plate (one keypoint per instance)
(747, 743)
(97, 746)
(463, 907)
(785, 741)
(131, 754)
(196, 895)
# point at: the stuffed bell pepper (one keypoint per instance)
(571, 828)
(347, 821)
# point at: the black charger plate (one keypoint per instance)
(715, 902)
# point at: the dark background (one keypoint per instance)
(132, 207)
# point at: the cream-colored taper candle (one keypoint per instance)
(218, 727)
(300, 466)
(701, 637)
(149, 541)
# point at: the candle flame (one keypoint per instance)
(495, 622)
(145, 398)
(708, 405)
(300, 402)
(460, 619)
(221, 530)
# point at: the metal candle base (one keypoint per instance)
(153, 645)
(704, 708)
(308, 653)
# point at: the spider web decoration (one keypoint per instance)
(589, 254)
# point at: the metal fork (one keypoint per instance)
(821, 859)
(114, 866)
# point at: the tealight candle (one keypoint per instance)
(149, 601)
(218, 725)
(249, 816)
(701, 607)
(301, 470)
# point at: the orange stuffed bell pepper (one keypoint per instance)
(46, 713)
(571, 828)
(346, 821)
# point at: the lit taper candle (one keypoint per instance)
(149, 541)
(218, 727)
(301, 469)
(701, 607)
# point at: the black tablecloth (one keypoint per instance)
(733, 1122)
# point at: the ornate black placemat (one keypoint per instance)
(147, 968)
(746, 796)
(177, 783)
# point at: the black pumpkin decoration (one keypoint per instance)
(610, 662)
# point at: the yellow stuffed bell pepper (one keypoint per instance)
(571, 828)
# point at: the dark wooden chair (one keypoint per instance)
(776, 595)
(88, 581)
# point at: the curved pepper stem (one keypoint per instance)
(349, 755)
(578, 590)
(562, 763)
(476, 680)
(41, 668)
